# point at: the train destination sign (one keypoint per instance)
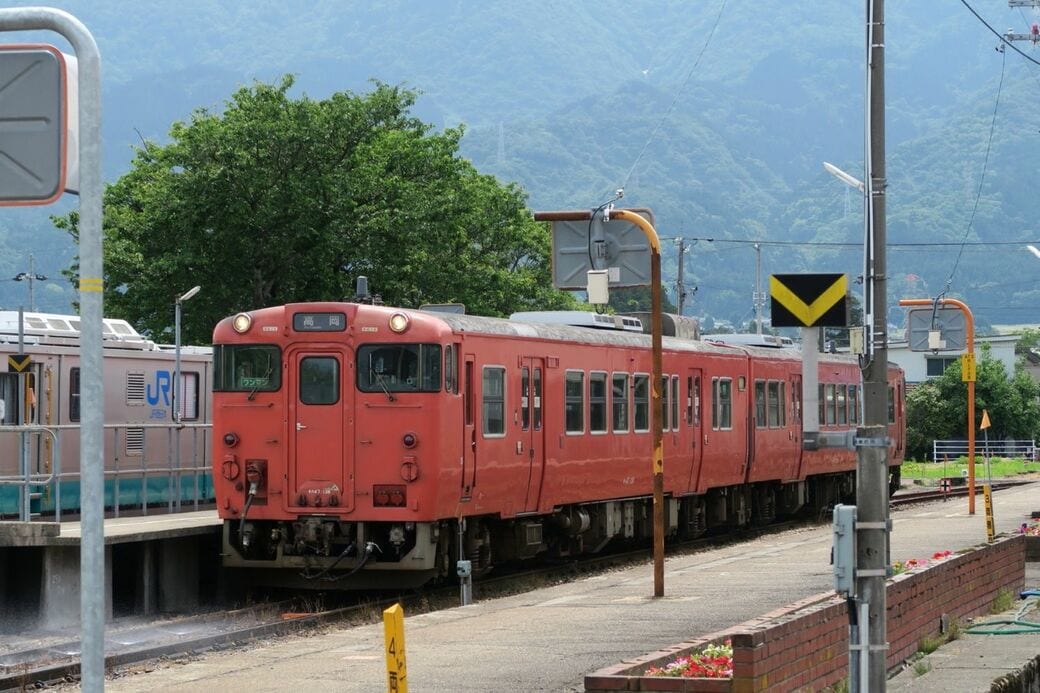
(809, 300)
(319, 322)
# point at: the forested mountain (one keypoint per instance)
(716, 114)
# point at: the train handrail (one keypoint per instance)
(31, 478)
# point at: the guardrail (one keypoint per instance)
(142, 475)
(1017, 449)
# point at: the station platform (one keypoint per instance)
(153, 563)
(549, 639)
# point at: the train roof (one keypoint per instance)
(54, 329)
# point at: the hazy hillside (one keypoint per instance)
(563, 97)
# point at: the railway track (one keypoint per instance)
(34, 665)
(910, 498)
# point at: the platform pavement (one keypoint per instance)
(548, 639)
(973, 662)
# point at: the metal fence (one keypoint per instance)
(149, 468)
(947, 450)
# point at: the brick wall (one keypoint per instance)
(804, 646)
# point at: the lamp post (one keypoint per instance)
(177, 384)
(29, 276)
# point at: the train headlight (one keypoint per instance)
(398, 322)
(241, 322)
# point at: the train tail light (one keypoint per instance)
(389, 496)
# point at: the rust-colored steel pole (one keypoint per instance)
(970, 346)
(655, 389)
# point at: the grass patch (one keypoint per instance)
(840, 687)
(999, 466)
(1002, 602)
(954, 629)
(931, 643)
(922, 667)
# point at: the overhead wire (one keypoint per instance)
(675, 97)
(998, 34)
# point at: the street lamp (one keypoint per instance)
(1033, 249)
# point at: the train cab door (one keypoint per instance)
(532, 444)
(321, 472)
(692, 415)
(469, 428)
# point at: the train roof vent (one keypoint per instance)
(751, 339)
(580, 318)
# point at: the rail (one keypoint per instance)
(143, 473)
(953, 449)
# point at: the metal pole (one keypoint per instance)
(32, 276)
(655, 389)
(872, 444)
(680, 284)
(23, 439)
(177, 395)
(758, 288)
(92, 546)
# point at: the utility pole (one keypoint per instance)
(759, 297)
(868, 670)
(30, 276)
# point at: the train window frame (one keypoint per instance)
(224, 378)
(600, 402)
(664, 403)
(486, 400)
(525, 394)
(854, 404)
(640, 402)
(774, 407)
(536, 385)
(891, 404)
(624, 404)
(74, 394)
(675, 403)
(760, 404)
(451, 380)
(320, 397)
(829, 403)
(722, 403)
(572, 417)
(841, 405)
(426, 357)
(9, 405)
(189, 383)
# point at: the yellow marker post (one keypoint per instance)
(393, 632)
(988, 495)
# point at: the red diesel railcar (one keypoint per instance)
(376, 445)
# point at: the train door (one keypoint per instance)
(693, 422)
(532, 430)
(321, 473)
(469, 428)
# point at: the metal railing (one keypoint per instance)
(139, 478)
(1015, 449)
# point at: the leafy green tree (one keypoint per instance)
(637, 299)
(938, 409)
(279, 199)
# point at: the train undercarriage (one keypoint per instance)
(324, 552)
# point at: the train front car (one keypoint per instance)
(327, 422)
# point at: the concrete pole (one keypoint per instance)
(758, 288)
(872, 444)
(680, 282)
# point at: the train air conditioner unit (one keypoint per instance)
(579, 318)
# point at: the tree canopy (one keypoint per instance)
(938, 409)
(280, 199)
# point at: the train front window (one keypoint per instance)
(246, 368)
(399, 368)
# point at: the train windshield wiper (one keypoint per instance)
(256, 385)
(382, 383)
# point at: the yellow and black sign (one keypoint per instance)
(393, 632)
(809, 300)
(18, 363)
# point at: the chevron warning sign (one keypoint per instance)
(18, 363)
(809, 300)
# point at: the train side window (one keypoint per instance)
(715, 404)
(841, 404)
(697, 401)
(664, 402)
(783, 403)
(725, 403)
(574, 402)
(760, 404)
(467, 394)
(537, 399)
(891, 404)
(823, 404)
(319, 380)
(189, 404)
(525, 394)
(853, 405)
(8, 399)
(493, 410)
(773, 395)
(675, 403)
(451, 381)
(828, 402)
(73, 394)
(597, 402)
(641, 402)
(619, 402)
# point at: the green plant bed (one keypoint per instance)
(1000, 467)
